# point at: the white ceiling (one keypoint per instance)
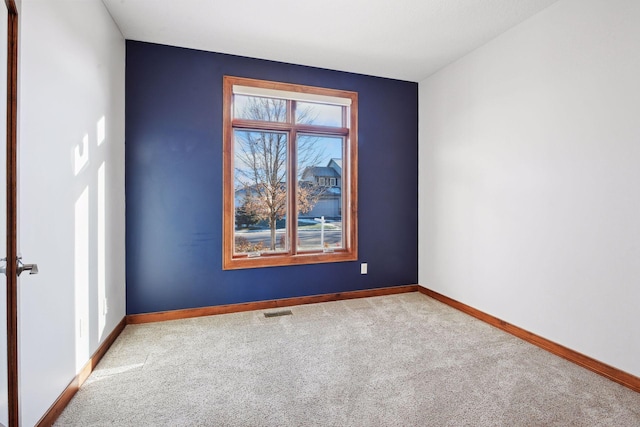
(401, 39)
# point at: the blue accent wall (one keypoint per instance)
(174, 183)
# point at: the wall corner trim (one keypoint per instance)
(67, 394)
(614, 374)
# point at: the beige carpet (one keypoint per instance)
(400, 360)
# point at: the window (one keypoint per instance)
(290, 174)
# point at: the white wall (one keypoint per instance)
(530, 178)
(71, 136)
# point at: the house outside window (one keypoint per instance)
(290, 174)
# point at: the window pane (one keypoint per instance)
(260, 184)
(320, 199)
(310, 113)
(257, 108)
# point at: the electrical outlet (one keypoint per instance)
(363, 268)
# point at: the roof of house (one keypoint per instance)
(324, 171)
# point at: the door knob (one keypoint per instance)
(32, 268)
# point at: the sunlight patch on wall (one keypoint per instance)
(101, 130)
(101, 242)
(81, 155)
(81, 278)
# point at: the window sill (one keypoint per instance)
(238, 263)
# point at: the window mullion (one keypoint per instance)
(291, 112)
(292, 184)
(293, 194)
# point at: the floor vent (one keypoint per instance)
(278, 313)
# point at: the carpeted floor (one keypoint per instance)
(400, 360)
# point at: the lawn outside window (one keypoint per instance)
(290, 174)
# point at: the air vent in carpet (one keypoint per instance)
(278, 313)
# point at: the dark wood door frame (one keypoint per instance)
(12, 213)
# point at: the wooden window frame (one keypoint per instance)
(293, 256)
